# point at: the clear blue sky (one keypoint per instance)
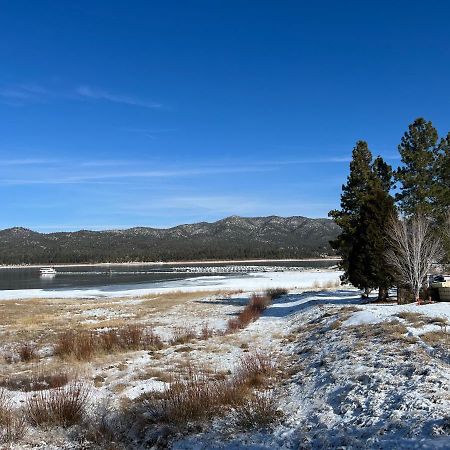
(116, 114)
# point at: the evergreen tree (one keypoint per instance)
(352, 199)
(418, 151)
(367, 269)
(442, 203)
(442, 172)
(366, 206)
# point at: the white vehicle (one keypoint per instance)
(48, 271)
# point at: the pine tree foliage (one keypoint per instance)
(366, 206)
(442, 171)
(417, 176)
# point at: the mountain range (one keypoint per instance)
(230, 238)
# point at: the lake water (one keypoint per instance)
(82, 277)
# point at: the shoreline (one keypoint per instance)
(246, 283)
(166, 263)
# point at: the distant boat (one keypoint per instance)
(48, 271)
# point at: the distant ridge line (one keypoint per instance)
(231, 238)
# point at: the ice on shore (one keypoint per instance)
(247, 282)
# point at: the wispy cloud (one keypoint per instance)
(53, 177)
(27, 162)
(100, 94)
(148, 132)
(19, 94)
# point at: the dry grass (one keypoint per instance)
(275, 293)
(194, 399)
(385, 331)
(255, 307)
(183, 335)
(82, 345)
(37, 379)
(260, 410)
(38, 320)
(413, 319)
(418, 320)
(27, 351)
(437, 339)
(13, 426)
(65, 406)
(200, 394)
(255, 369)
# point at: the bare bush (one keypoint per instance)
(39, 379)
(252, 311)
(206, 332)
(13, 426)
(275, 293)
(413, 248)
(63, 406)
(260, 410)
(255, 369)
(27, 351)
(183, 335)
(194, 398)
(77, 344)
(201, 395)
(132, 337)
(83, 345)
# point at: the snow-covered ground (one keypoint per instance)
(359, 381)
(356, 375)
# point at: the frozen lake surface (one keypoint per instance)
(118, 281)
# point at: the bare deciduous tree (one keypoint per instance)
(413, 248)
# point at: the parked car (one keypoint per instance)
(440, 288)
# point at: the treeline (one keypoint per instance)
(179, 253)
(231, 238)
(393, 220)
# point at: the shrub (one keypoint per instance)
(109, 340)
(258, 411)
(13, 426)
(255, 368)
(83, 345)
(276, 293)
(201, 395)
(252, 311)
(131, 337)
(182, 335)
(39, 379)
(206, 332)
(27, 352)
(152, 341)
(191, 399)
(63, 406)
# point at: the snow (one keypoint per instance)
(345, 390)
(363, 317)
(379, 395)
(248, 282)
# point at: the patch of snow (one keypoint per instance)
(247, 282)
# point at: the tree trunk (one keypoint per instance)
(382, 294)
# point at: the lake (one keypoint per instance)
(82, 277)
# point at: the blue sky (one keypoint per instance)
(116, 114)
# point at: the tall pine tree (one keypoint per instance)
(352, 199)
(419, 152)
(366, 206)
(442, 201)
(442, 172)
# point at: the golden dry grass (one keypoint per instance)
(437, 339)
(39, 319)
